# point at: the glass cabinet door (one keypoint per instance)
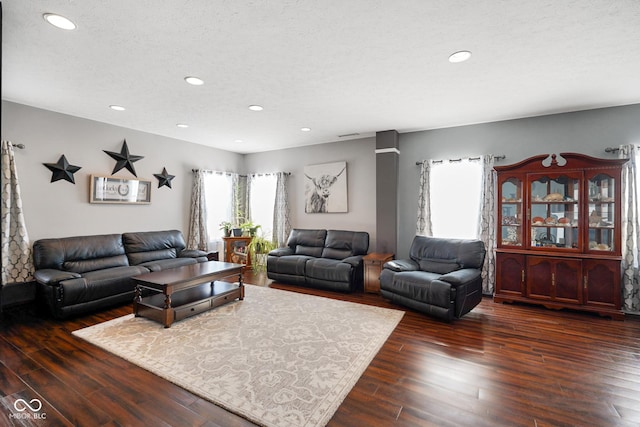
(601, 213)
(555, 212)
(511, 212)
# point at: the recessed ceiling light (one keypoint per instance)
(305, 129)
(196, 81)
(256, 108)
(182, 125)
(59, 21)
(238, 141)
(460, 56)
(117, 107)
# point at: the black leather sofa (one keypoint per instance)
(85, 273)
(442, 277)
(326, 259)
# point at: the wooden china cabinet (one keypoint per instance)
(559, 233)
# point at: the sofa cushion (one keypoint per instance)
(306, 238)
(313, 251)
(440, 266)
(293, 265)
(84, 265)
(163, 264)
(341, 244)
(143, 257)
(421, 286)
(100, 284)
(329, 270)
(54, 253)
(467, 253)
(149, 245)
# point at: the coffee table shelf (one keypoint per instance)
(177, 293)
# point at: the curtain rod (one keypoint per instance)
(497, 158)
(20, 146)
(611, 149)
(229, 173)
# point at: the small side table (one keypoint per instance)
(236, 250)
(373, 263)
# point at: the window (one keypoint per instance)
(455, 188)
(262, 200)
(219, 193)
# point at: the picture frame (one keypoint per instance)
(110, 189)
(326, 188)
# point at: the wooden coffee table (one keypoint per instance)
(177, 293)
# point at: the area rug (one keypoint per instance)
(277, 358)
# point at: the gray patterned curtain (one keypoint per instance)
(487, 224)
(281, 223)
(17, 264)
(630, 231)
(198, 234)
(239, 184)
(423, 226)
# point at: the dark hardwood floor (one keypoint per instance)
(500, 365)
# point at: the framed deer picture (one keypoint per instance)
(325, 188)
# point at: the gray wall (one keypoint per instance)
(587, 132)
(61, 209)
(361, 183)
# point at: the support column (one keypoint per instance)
(387, 159)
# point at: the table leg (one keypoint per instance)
(168, 311)
(241, 286)
(137, 300)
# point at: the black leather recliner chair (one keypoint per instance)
(442, 278)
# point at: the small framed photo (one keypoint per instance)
(109, 189)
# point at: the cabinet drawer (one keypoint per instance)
(191, 309)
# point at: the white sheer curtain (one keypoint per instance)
(455, 188)
(630, 230)
(268, 204)
(219, 189)
(17, 264)
(262, 196)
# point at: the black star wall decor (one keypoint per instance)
(124, 159)
(62, 170)
(164, 178)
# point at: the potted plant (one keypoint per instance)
(226, 227)
(249, 228)
(259, 247)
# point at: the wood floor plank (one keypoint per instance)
(500, 365)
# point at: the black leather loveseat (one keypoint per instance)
(442, 277)
(85, 273)
(328, 259)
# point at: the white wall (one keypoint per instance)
(361, 182)
(587, 132)
(62, 209)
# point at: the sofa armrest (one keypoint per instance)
(400, 265)
(281, 252)
(355, 260)
(192, 253)
(50, 276)
(462, 276)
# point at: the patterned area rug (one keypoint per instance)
(277, 358)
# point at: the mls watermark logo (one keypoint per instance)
(28, 410)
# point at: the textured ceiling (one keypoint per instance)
(336, 66)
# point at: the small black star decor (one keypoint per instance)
(124, 159)
(164, 178)
(62, 170)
